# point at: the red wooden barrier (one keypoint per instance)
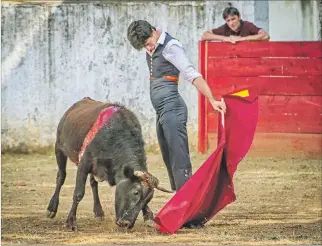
(289, 75)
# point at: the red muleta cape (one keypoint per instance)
(211, 188)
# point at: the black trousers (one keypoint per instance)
(173, 140)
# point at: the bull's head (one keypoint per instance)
(132, 194)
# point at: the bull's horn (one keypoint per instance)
(139, 174)
(148, 178)
(164, 189)
(152, 181)
(155, 183)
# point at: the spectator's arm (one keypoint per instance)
(209, 36)
(260, 36)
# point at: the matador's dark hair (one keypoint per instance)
(138, 32)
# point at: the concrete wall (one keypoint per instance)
(296, 20)
(262, 14)
(320, 17)
(53, 56)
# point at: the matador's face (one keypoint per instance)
(150, 43)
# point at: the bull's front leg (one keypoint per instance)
(147, 213)
(79, 193)
(148, 216)
(98, 211)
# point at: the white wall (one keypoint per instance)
(296, 20)
(53, 56)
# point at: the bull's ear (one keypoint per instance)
(128, 172)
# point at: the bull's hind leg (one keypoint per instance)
(79, 191)
(98, 211)
(61, 175)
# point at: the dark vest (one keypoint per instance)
(163, 92)
(158, 65)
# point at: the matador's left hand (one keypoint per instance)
(219, 105)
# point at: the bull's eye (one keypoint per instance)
(136, 192)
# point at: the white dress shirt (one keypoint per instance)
(174, 53)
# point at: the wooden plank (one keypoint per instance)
(284, 114)
(291, 123)
(233, 67)
(285, 104)
(305, 85)
(273, 123)
(266, 49)
(280, 145)
(202, 136)
(302, 114)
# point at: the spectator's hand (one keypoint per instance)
(234, 39)
(219, 105)
(229, 40)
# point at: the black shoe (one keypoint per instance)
(193, 225)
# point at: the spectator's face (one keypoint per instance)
(151, 41)
(233, 21)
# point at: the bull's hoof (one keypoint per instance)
(149, 223)
(98, 213)
(148, 216)
(99, 218)
(71, 223)
(52, 207)
(51, 214)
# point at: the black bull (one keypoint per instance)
(116, 155)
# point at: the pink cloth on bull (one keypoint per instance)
(101, 120)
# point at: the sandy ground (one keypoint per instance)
(278, 202)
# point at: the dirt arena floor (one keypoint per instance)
(278, 202)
